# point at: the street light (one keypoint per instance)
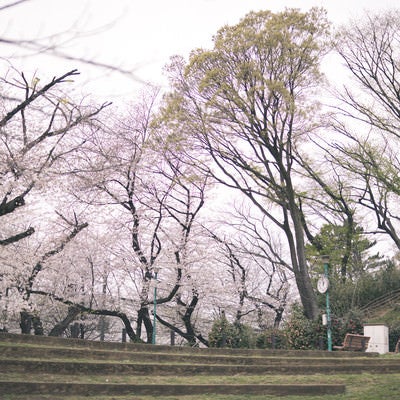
(325, 287)
(156, 270)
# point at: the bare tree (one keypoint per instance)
(369, 153)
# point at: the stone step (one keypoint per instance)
(10, 351)
(146, 348)
(125, 368)
(74, 364)
(70, 389)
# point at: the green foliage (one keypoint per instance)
(225, 334)
(347, 247)
(342, 297)
(304, 334)
(222, 333)
(374, 286)
(356, 276)
(394, 333)
(245, 337)
(299, 333)
(271, 339)
(266, 53)
(350, 295)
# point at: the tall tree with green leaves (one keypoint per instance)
(246, 108)
(349, 255)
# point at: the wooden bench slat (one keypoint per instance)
(353, 342)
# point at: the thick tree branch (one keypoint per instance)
(88, 310)
(16, 238)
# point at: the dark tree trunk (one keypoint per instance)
(25, 322)
(75, 330)
(29, 321)
(61, 326)
(37, 326)
(144, 317)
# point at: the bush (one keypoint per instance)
(300, 332)
(244, 336)
(304, 334)
(225, 334)
(394, 336)
(271, 339)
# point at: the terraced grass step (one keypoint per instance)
(68, 389)
(38, 367)
(127, 368)
(32, 351)
(146, 348)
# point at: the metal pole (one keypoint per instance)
(153, 340)
(102, 317)
(328, 310)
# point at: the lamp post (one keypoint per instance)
(156, 270)
(325, 260)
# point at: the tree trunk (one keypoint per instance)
(37, 326)
(61, 326)
(299, 262)
(144, 317)
(25, 322)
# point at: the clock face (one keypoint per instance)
(323, 284)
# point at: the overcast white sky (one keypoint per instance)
(139, 34)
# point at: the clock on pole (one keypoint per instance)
(323, 284)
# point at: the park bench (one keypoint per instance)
(353, 342)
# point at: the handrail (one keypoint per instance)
(381, 301)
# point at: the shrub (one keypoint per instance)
(300, 332)
(271, 339)
(225, 334)
(304, 334)
(244, 336)
(394, 336)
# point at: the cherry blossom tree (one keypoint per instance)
(39, 126)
